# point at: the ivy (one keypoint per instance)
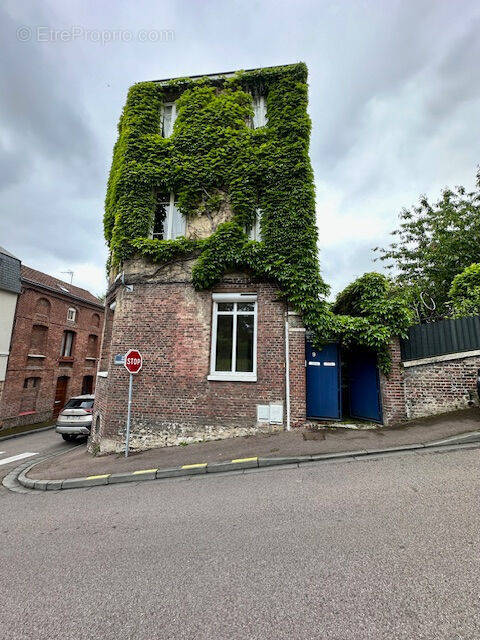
(215, 159)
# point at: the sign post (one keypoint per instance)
(133, 364)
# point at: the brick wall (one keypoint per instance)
(438, 387)
(430, 387)
(392, 389)
(170, 324)
(40, 320)
(298, 409)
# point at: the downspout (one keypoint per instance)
(287, 370)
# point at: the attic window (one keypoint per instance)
(169, 113)
(259, 111)
(169, 223)
(63, 288)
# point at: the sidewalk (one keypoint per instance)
(78, 463)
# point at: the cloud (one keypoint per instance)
(394, 100)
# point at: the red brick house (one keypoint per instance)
(54, 348)
(224, 355)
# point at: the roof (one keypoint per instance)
(33, 276)
(7, 253)
(224, 74)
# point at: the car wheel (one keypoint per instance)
(68, 437)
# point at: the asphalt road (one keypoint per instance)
(386, 548)
(15, 451)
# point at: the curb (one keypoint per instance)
(240, 464)
(26, 433)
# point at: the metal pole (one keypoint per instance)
(287, 370)
(127, 438)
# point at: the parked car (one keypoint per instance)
(75, 419)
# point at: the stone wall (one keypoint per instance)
(173, 401)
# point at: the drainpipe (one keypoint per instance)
(287, 370)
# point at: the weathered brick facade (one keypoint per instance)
(173, 400)
(34, 364)
(421, 388)
(392, 389)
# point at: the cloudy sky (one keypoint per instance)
(394, 99)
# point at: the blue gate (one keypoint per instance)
(323, 382)
(364, 386)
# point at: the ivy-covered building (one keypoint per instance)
(214, 274)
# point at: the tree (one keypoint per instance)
(434, 242)
(465, 292)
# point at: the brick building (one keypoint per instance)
(54, 348)
(218, 362)
(230, 358)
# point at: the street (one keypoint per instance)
(387, 548)
(15, 451)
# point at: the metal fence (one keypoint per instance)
(440, 338)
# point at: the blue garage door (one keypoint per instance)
(364, 385)
(323, 382)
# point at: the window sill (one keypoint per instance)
(233, 377)
(90, 358)
(35, 355)
(66, 359)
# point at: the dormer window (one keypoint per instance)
(169, 223)
(259, 111)
(169, 113)
(71, 314)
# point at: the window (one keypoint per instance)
(234, 337)
(71, 314)
(78, 403)
(31, 383)
(255, 232)
(92, 346)
(38, 340)
(67, 344)
(259, 111)
(169, 222)
(169, 113)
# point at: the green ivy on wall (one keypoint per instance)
(214, 158)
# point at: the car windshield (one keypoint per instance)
(77, 403)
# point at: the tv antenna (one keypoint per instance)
(70, 273)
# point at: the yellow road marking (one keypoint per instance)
(104, 475)
(145, 471)
(194, 466)
(245, 459)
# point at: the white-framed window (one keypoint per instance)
(169, 113)
(234, 337)
(169, 223)
(255, 231)
(71, 314)
(259, 111)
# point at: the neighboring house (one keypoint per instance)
(54, 350)
(10, 287)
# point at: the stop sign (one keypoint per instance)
(133, 361)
